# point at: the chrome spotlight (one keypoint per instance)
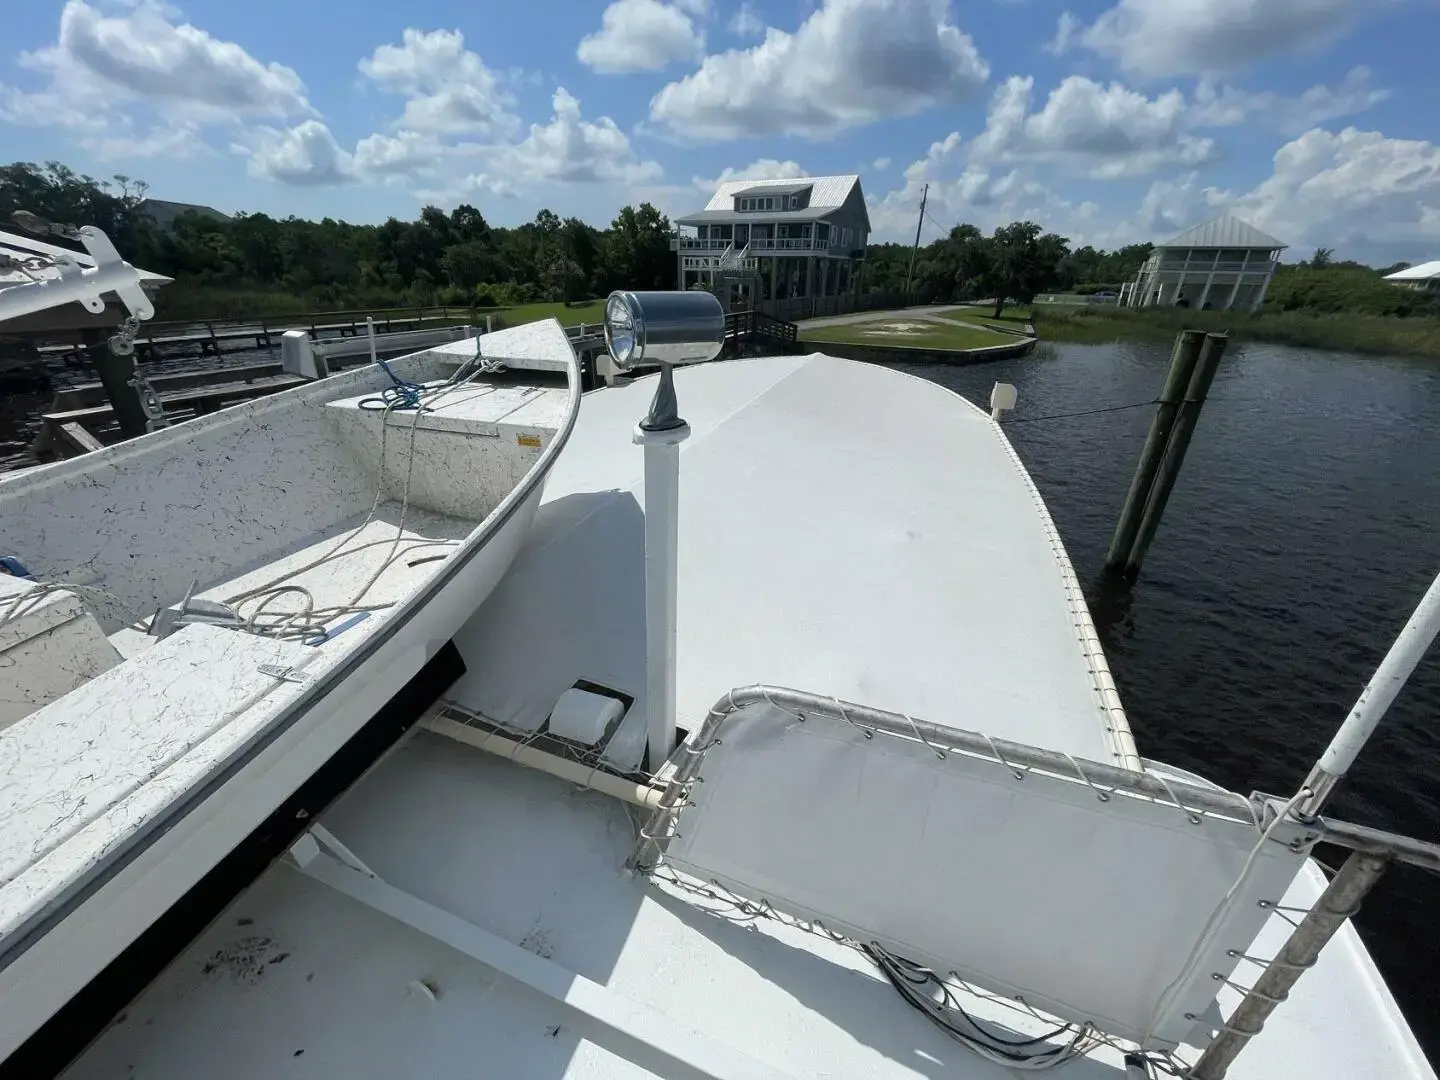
(663, 328)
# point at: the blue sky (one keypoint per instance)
(1107, 120)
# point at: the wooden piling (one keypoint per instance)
(115, 374)
(1195, 393)
(1182, 365)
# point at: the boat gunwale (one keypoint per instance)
(52, 912)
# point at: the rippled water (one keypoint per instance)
(1298, 540)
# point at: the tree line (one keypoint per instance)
(255, 264)
(241, 264)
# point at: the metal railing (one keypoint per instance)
(1203, 267)
(695, 243)
(784, 243)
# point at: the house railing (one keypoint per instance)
(695, 243)
(802, 243)
(1203, 267)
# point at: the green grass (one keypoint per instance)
(592, 312)
(980, 316)
(1414, 336)
(937, 334)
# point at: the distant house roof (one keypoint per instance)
(726, 217)
(827, 194)
(21, 248)
(163, 212)
(775, 189)
(1424, 272)
(1224, 232)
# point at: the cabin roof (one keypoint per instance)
(1224, 231)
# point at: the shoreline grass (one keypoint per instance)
(1374, 334)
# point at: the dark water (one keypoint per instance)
(1303, 531)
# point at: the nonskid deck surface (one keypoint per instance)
(296, 980)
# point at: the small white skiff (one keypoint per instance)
(194, 622)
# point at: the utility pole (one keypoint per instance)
(924, 194)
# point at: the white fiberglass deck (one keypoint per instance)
(816, 552)
(834, 536)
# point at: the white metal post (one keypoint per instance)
(1374, 700)
(662, 564)
(370, 329)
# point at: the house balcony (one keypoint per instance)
(1178, 266)
(693, 243)
(719, 262)
(782, 245)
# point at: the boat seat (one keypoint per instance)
(51, 645)
(1029, 884)
(471, 446)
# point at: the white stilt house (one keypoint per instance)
(776, 240)
(1423, 278)
(1223, 264)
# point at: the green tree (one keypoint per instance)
(1023, 262)
(637, 251)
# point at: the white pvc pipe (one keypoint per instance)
(370, 329)
(573, 771)
(1385, 684)
(662, 564)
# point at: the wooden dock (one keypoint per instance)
(213, 337)
(82, 419)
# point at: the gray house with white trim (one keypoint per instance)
(776, 239)
(1223, 264)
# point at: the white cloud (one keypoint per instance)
(1355, 189)
(570, 149)
(880, 164)
(173, 143)
(640, 35)
(1065, 28)
(1222, 106)
(100, 65)
(403, 156)
(763, 169)
(1099, 131)
(850, 62)
(448, 88)
(1170, 37)
(746, 23)
(305, 154)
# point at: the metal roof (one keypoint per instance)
(1423, 272)
(776, 189)
(829, 192)
(763, 217)
(1224, 232)
(24, 247)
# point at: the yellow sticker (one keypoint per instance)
(528, 440)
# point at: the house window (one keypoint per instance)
(794, 202)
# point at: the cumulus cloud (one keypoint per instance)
(1222, 106)
(1100, 131)
(306, 154)
(448, 90)
(571, 149)
(1170, 37)
(745, 23)
(640, 35)
(850, 62)
(1351, 189)
(137, 76)
(763, 169)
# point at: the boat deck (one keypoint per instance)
(476, 917)
(297, 981)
